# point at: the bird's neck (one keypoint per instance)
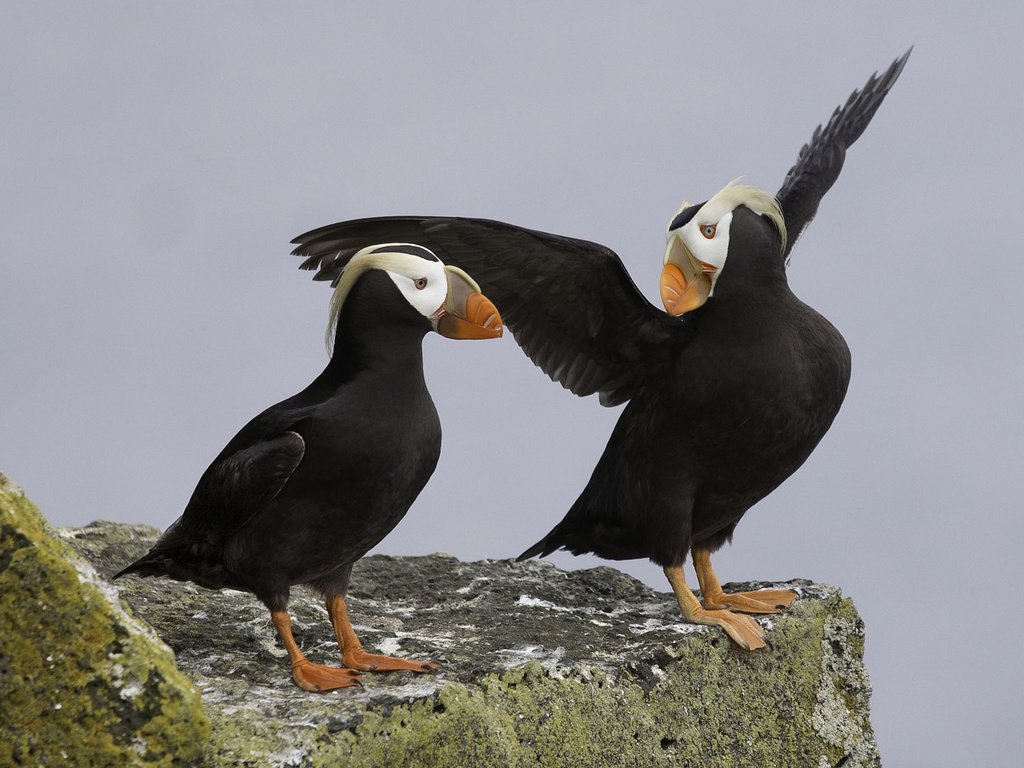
(748, 308)
(377, 335)
(386, 351)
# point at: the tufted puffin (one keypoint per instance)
(311, 484)
(728, 391)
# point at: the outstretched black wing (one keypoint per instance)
(821, 159)
(570, 303)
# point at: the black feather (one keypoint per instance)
(569, 303)
(821, 159)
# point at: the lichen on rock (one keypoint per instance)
(542, 667)
(82, 682)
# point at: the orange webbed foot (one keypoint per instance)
(742, 630)
(372, 662)
(352, 654)
(762, 601)
(317, 678)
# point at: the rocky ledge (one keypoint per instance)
(542, 667)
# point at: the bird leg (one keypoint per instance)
(308, 676)
(761, 601)
(352, 654)
(743, 630)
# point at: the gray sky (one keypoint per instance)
(155, 162)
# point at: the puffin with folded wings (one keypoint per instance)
(311, 484)
(728, 390)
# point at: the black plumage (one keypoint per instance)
(314, 482)
(724, 402)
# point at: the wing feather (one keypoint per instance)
(569, 303)
(821, 159)
(239, 483)
(243, 482)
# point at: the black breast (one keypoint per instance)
(749, 399)
(761, 404)
(371, 447)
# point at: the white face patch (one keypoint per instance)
(711, 250)
(423, 283)
(706, 234)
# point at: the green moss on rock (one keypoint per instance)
(81, 681)
(711, 705)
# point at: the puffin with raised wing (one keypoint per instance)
(728, 390)
(311, 484)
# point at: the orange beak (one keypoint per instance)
(685, 281)
(466, 313)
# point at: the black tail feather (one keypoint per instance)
(146, 565)
(541, 548)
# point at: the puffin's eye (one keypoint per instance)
(708, 230)
(420, 284)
